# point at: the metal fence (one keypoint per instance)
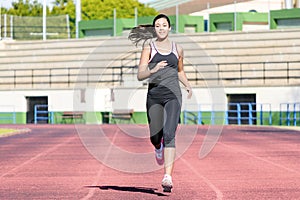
(31, 28)
(290, 114)
(245, 113)
(42, 115)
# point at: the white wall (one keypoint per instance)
(135, 98)
(273, 95)
(258, 5)
(12, 102)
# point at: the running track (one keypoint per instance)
(248, 162)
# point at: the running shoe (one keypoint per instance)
(167, 183)
(159, 154)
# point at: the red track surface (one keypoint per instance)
(50, 162)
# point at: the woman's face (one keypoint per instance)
(162, 28)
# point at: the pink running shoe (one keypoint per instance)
(167, 183)
(159, 154)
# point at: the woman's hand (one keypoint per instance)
(159, 66)
(190, 92)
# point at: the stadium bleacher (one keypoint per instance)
(254, 58)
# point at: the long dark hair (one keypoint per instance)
(145, 32)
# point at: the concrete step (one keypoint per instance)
(245, 36)
(14, 53)
(52, 44)
(237, 59)
(254, 51)
(250, 44)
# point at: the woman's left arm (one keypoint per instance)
(181, 74)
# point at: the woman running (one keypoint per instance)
(162, 62)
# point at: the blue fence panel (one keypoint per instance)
(289, 114)
(234, 113)
(296, 113)
(265, 109)
(41, 113)
(196, 116)
(239, 113)
(192, 114)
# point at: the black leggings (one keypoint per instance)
(163, 118)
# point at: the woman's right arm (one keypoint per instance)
(143, 70)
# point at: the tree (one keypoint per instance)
(60, 2)
(25, 8)
(103, 9)
(68, 8)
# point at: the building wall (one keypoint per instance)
(285, 15)
(241, 19)
(106, 27)
(94, 102)
(260, 6)
(252, 19)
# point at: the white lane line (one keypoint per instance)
(261, 159)
(36, 157)
(99, 173)
(206, 180)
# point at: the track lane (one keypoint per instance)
(247, 163)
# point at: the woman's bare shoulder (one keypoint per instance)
(146, 47)
(179, 49)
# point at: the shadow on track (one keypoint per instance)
(129, 189)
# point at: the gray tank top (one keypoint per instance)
(164, 83)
